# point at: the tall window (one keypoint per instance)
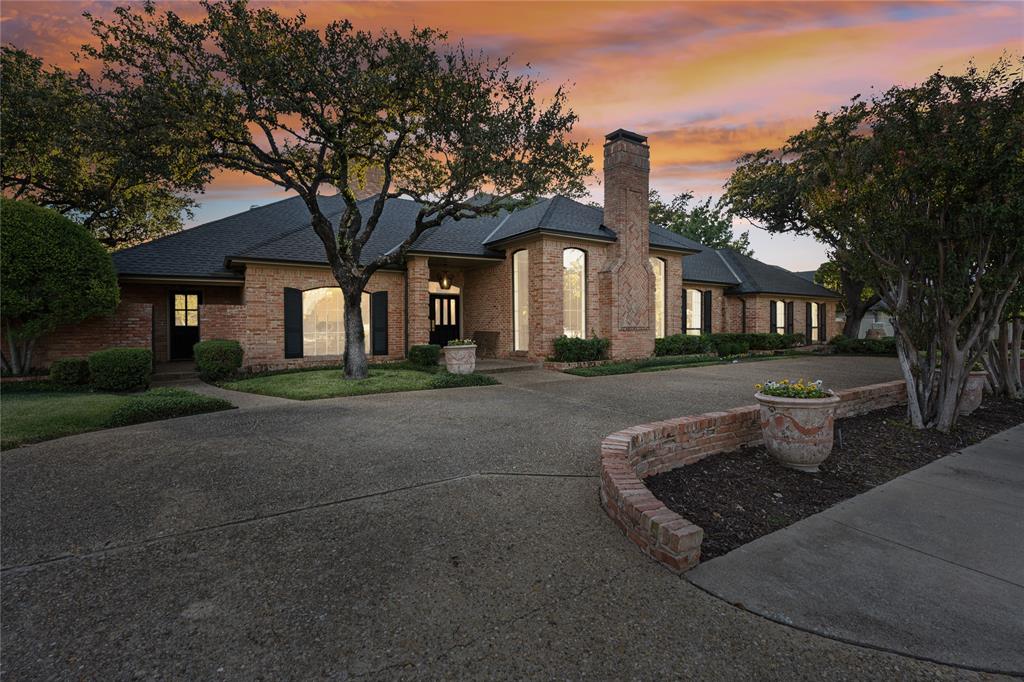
(323, 321)
(694, 312)
(521, 300)
(574, 293)
(780, 317)
(812, 309)
(658, 265)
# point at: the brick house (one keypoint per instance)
(726, 291)
(514, 281)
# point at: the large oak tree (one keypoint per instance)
(312, 110)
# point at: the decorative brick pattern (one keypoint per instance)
(633, 454)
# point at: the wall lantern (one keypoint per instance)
(446, 281)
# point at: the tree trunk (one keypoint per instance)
(853, 290)
(21, 353)
(1015, 358)
(951, 386)
(356, 366)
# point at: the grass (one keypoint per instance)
(330, 383)
(666, 362)
(38, 411)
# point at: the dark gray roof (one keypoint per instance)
(761, 278)
(709, 266)
(281, 232)
(806, 274)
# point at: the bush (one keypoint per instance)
(121, 369)
(733, 348)
(682, 344)
(569, 349)
(164, 403)
(217, 359)
(449, 380)
(426, 355)
(69, 371)
(883, 346)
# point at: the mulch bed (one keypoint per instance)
(739, 496)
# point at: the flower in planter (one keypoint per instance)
(462, 342)
(786, 389)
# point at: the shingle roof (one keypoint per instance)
(709, 266)
(806, 274)
(281, 232)
(761, 278)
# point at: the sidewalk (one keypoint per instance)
(929, 565)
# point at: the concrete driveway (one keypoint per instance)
(436, 534)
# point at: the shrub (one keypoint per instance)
(121, 369)
(69, 371)
(164, 403)
(426, 355)
(682, 344)
(733, 348)
(883, 346)
(570, 349)
(217, 359)
(449, 380)
(792, 340)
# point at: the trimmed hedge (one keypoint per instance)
(121, 369)
(217, 359)
(164, 403)
(683, 344)
(70, 372)
(425, 355)
(733, 348)
(570, 349)
(449, 380)
(883, 346)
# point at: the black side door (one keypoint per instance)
(184, 323)
(444, 318)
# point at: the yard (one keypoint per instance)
(330, 383)
(38, 412)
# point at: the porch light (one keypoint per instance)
(446, 281)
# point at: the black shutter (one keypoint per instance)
(807, 323)
(743, 315)
(293, 323)
(686, 302)
(789, 317)
(773, 321)
(379, 322)
(706, 314)
(822, 328)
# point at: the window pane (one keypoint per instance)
(521, 300)
(179, 301)
(364, 306)
(658, 266)
(780, 317)
(192, 302)
(322, 330)
(694, 312)
(179, 318)
(574, 287)
(192, 318)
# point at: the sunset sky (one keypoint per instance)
(705, 81)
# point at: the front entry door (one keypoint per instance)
(444, 318)
(184, 322)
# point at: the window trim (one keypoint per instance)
(583, 292)
(664, 297)
(699, 329)
(515, 303)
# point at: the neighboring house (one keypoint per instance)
(725, 291)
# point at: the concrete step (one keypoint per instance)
(488, 366)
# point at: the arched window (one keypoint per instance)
(658, 265)
(574, 293)
(521, 300)
(323, 321)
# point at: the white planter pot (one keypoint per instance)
(973, 392)
(460, 359)
(798, 431)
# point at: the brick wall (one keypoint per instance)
(219, 321)
(630, 455)
(418, 277)
(720, 310)
(487, 302)
(130, 326)
(759, 319)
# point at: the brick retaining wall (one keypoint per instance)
(630, 455)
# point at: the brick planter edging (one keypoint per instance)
(633, 454)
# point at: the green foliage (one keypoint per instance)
(121, 369)
(70, 371)
(683, 344)
(449, 380)
(571, 349)
(883, 346)
(425, 355)
(52, 272)
(462, 342)
(217, 359)
(731, 348)
(797, 389)
(163, 403)
(84, 152)
(707, 223)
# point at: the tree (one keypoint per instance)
(86, 154)
(52, 272)
(708, 223)
(261, 93)
(1002, 356)
(858, 297)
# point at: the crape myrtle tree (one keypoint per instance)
(1002, 357)
(839, 279)
(709, 223)
(52, 272)
(312, 111)
(86, 153)
(928, 182)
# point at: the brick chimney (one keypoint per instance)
(628, 286)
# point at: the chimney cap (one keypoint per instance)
(623, 134)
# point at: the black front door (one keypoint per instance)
(184, 307)
(444, 318)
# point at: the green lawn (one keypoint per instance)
(662, 363)
(41, 412)
(330, 383)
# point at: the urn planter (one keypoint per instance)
(973, 391)
(798, 431)
(460, 359)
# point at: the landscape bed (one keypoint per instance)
(737, 497)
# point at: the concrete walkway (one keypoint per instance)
(930, 564)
